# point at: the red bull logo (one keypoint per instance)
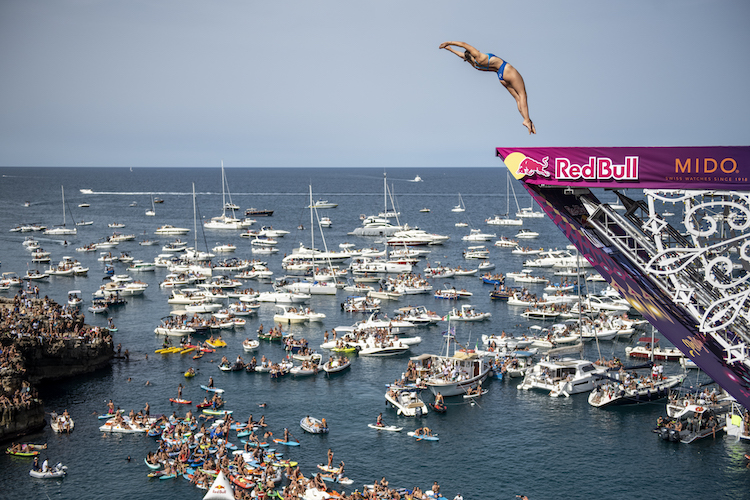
(530, 166)
(597, 169)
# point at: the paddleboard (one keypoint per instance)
(284, 464)
(212, 389)
(180, 401)
(217, 412)
(423, 438)
(331, 470)
(151, 466)
(391, 428)
(336, 480)
(469, 396)
(288, 443)
(106, 417)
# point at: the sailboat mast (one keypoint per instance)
(385, 194)
(312, 227)
(195, 222)
(223, 192)
(63, 198)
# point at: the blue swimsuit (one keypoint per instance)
(502, 66)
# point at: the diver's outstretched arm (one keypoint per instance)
(474, 52)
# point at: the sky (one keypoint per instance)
(341, 83)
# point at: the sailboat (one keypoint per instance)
(61, 230)
(314, 286)
(460, 207)
(528, 212)
(223, 221)
(151, 212)
(504, 219)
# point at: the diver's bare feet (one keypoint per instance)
(529, 125)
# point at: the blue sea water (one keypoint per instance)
(512, 442)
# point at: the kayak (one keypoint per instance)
(180, 401)
(288, 443)
(187, 350)
(212, 389)
(422, 438)
(391, 428)
(152, 466)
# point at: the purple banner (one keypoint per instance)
(699, 167)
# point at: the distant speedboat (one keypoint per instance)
(323, 204)
(83, 205)
(417, 179)
(425, 210)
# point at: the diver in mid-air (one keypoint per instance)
(508, 75)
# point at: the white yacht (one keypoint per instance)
(323, 204)
(406, 402)
(478, 235)
(167, 229)
(564, 377)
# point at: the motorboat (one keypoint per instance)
(289, 315)
(648, 348)
(499, 220)
(307, 368)
(505, 242)
(171, 230)
(476, 252)
(250, 345)
(323, 204)
(258, 212)
(564, 376)
(736, 426)
(697, 422)
(375, 348)
(336, 365)
(527, 234)
(74, 298)
(406, 401)
(283, 297)
(478, 235)
(61, 423)
(624, 389)
(451, 373)
(466, 313)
